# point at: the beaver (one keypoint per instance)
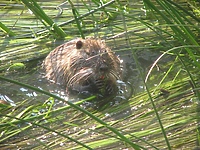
(84, 66)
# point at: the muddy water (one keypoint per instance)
(34, 76)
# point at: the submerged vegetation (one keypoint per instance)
(159, 42)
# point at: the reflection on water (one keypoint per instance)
(27, 92)
(4, 99)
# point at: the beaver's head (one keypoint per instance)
(85, 65)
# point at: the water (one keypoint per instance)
(130, 118)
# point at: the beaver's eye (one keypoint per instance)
(93, 53)
(79, 44)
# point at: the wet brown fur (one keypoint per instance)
(84, 65)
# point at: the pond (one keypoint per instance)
(139, 38)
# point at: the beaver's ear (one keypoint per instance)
(79, 44)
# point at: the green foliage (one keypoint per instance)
(6, 30)
(17, 66)
(165, 115)
(48, 22)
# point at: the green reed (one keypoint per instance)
(173, 31)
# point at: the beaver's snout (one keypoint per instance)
(104, 68)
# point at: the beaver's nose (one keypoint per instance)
(103, 67)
